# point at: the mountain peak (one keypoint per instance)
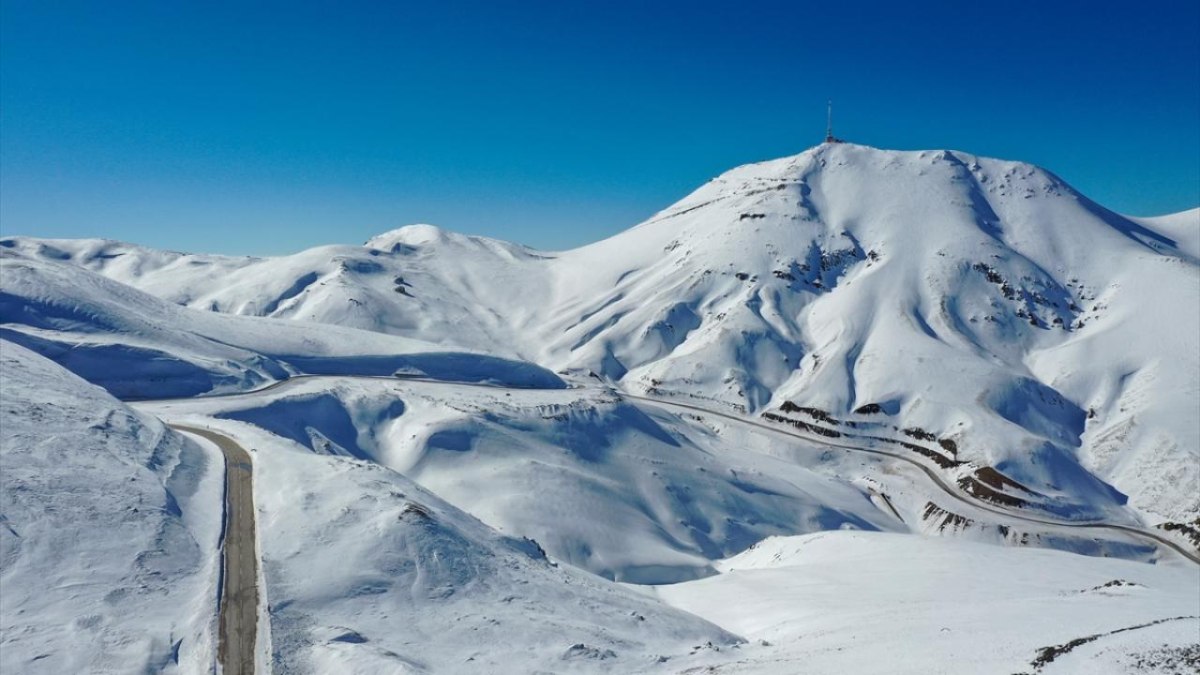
(416, 234)
(841, 174)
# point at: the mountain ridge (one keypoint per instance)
(743, 408)
(832, 279)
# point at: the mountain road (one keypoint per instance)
(238, 619)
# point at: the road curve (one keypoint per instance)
(950, 489)
(238, 617)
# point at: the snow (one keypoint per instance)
(1183, 229)
(367, 572)
(139, 346)
(867, 602)
(636, 494)
(108, 550)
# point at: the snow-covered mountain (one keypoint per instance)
(967, 348)
(982, 301)
(627, 491)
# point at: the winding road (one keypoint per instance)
(238, 618)
(239, 595)
(949, 488)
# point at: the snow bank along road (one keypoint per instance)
(239, 577)
(949, 488)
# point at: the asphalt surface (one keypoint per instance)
(238, 618)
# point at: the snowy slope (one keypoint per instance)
(108, 544)
(965, 295)
(979, 300)
(865, 602)
(418, 289)
(1183, 229)
(622, 489)
(137, 345)
(366, 572)
(627, 493)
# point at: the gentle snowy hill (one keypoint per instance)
(867, 602)
(138, 346)
(403, 290)
(108, 531)
(624, 492)
(109, 559)
(978, 300)
(1182, 228)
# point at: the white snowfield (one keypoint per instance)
(1038, 354)
(868, 602)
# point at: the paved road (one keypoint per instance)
(239, 577)
(949, 488)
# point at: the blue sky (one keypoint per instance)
(270, 127)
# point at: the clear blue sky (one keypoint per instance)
(270, 127)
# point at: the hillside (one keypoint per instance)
(111, 534)
(366, 571)
(109, 531)
(140, 346)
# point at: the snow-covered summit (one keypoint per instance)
(409, 235)
(408, 239)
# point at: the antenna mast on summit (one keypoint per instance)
(829, 137)
(829, 124)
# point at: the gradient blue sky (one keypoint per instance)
(266, 128)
